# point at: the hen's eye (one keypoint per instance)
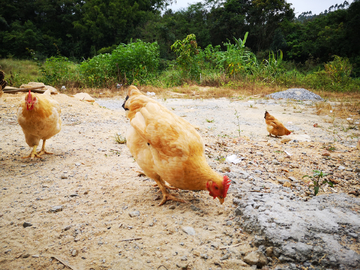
(216, 188)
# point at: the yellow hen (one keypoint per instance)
(169, 149)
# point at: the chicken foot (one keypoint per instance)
(33, 154)
(166, 195)
(42, 151)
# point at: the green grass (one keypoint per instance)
(58, 71)
(18, 72)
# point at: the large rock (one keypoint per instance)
(53, 90)
(322, 229)
(297, 94)
(84, 97)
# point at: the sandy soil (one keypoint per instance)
(90, 207)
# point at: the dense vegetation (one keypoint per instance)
(102, 43)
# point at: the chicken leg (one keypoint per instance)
(166, 195)
(33, 154)
(42, 151)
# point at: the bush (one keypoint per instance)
(135, 61)
(97, 72)
(58, 71)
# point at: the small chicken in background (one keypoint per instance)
(274, 127)
(169, 149)
(39, 118)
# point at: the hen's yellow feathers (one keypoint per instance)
(274, 127)
(39, 118)
(168, 148)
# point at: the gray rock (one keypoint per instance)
(134, 214)
(55, 209)
(300, 230)
(188, 230)
(204, 256)
(295, 93)
(225, 257)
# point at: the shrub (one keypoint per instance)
(138, 60)
(187, 57)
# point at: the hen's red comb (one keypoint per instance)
(29, 99)
(226, 185)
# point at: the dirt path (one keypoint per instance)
(89, 207)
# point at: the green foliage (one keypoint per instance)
(188, 62)
(237, 59)
(135, 61)
(58, 71)
(18, 72)
(271, 68)
(120, 139)
(138, 60)
(96, 72)
(317, 181)
(339, 70)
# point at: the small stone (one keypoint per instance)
(172, 207)
(188, 230)
(26, 255)
(35, 256)
(184, 258)
(204, 256)
(56, 209)
(194, 208)
(269, 251)
(134, 214)
(287, 184)
(27, 224)
(256, 258)
(341, 168)
(67, 228)
(325, 154)
(225, 257)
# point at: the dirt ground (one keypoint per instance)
(88, 206)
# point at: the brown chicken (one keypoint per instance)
(39, 118)
(274, 127)
(169, 149)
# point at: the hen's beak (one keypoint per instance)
(221, 200)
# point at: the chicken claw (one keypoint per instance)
(169, 197)
(42, 151)
(33, 154)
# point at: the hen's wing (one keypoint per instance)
(166, 132)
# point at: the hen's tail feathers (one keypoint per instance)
(3, 83)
